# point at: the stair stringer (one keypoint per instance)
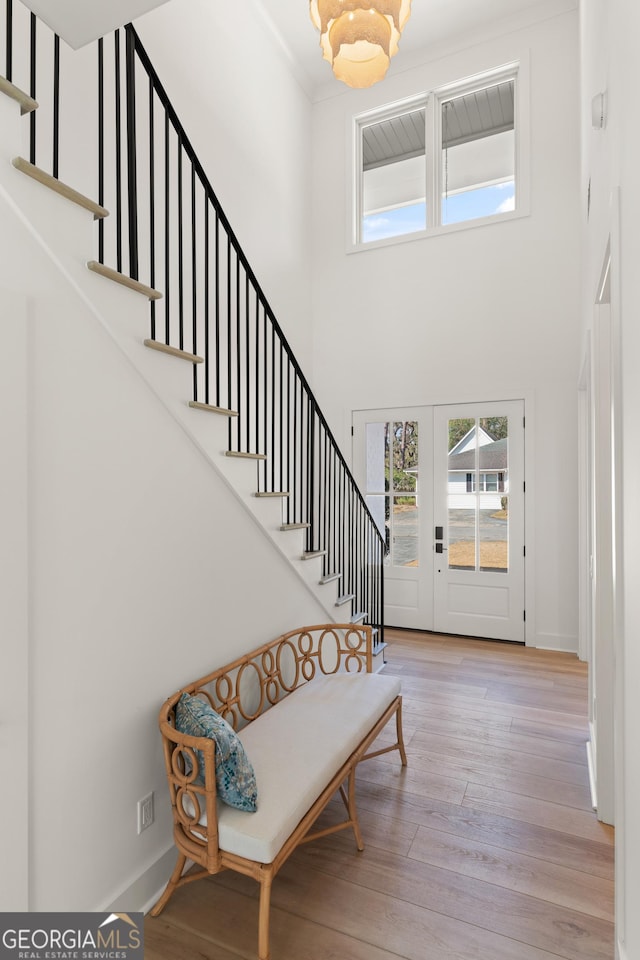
(66, 234)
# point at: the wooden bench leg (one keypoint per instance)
(170, 887)
(353, 810)
(400, 736)
(266, 879)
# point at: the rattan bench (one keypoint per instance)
(306, 708)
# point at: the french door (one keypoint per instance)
(445, 485)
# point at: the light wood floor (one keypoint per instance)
(484, 848)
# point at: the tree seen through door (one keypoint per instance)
(392, 485)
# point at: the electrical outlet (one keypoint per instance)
(145, 812)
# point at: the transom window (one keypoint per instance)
(445, 158)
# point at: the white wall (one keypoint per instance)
(478, 314)
(610, 38)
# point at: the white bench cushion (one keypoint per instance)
(296, 747)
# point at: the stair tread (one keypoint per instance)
(110, 274)
(357, 617)
(63, 189)
(173, 351)
(295, 526)
(330, 577)
(272, 493)
(312, 554)
(245, 455)
(345, 598)
(210, 408)
(27, 103)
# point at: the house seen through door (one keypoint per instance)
(445, 485)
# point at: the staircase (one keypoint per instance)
(164, 272)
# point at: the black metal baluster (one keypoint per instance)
(167, 236)
(56, 103)
(265, 406)
(207, 357)
(291, 477)
(152, 206)
(180, 251)
(259, 447)
(32, 88)
(325, 507)
(118, 154)
(240, 407)
(312, 467)
(281, 483)
(194, 278)
(217, 305)
(101, 146)
(273, 407)
(247, 341)
(9, 41)
(291, 508)
(132, 154)
(229, 350)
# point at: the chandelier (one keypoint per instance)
(359, 37)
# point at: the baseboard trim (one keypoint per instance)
(591, 766)
(563, 643)
(141, 895)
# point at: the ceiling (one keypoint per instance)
(433, 24)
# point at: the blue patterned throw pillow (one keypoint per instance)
(235, 779)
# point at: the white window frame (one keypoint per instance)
(431, 102)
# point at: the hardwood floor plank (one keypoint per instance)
(548, 730)
(225, 919)
(528, 875)
(164, 941)
(577, 796)
(503, 911)
(413, 780)
(393, 924)
(566, 700)
(418, 704)
(590, 856)
(555, 816)
(499, 757)
(489, 734)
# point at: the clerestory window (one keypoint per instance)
(448, 157)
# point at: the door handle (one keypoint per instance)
(440, 548)
(439, 533)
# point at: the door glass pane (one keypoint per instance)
(462, 537)
(477, 494)
(404, 545)
(392, 478)
(494, 535)
(405, 456)
(404, 484)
